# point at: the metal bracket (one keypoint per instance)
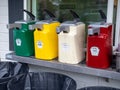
(11, 26)
(92, 31)
(32, 27)
(65, 29)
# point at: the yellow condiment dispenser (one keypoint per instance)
(46, 38)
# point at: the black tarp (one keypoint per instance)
(42, 81)
(98, 88)
(8, 70)
(4, 82)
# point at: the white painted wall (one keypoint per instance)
(4, 33)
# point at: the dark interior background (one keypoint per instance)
(15, 13)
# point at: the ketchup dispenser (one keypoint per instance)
(99, 45)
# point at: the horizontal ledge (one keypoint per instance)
(78, 68)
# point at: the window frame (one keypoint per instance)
(117, 33)
(110, 10)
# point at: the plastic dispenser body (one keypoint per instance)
(71, 36)
(99, 45)
(23, 37)
(46, 40)
(71, 42)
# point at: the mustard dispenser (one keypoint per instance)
(46, 38)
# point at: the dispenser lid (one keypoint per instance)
(24, 21)
(45, 22)
(105, 25)
(70, 23)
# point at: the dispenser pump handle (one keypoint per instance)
(102, 14)
(75, 15)
(52, 16)
(93, 30)
(30, 14)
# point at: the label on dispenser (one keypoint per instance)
(18, 42)
(65, 46)
(39, 44)
(94, 51)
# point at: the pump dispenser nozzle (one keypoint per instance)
(75, 15)
(30, 14)
(65, 26)
(103, 16)
(51, 15)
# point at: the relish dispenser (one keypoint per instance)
(46, 39)
(71, 36)
(23, 37)
(99, 45)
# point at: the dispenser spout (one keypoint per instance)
(51, 15)
(75, 16)
(103, 16)
(30, 14)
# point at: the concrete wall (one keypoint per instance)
(4, 33)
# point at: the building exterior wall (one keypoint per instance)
(4, 33)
